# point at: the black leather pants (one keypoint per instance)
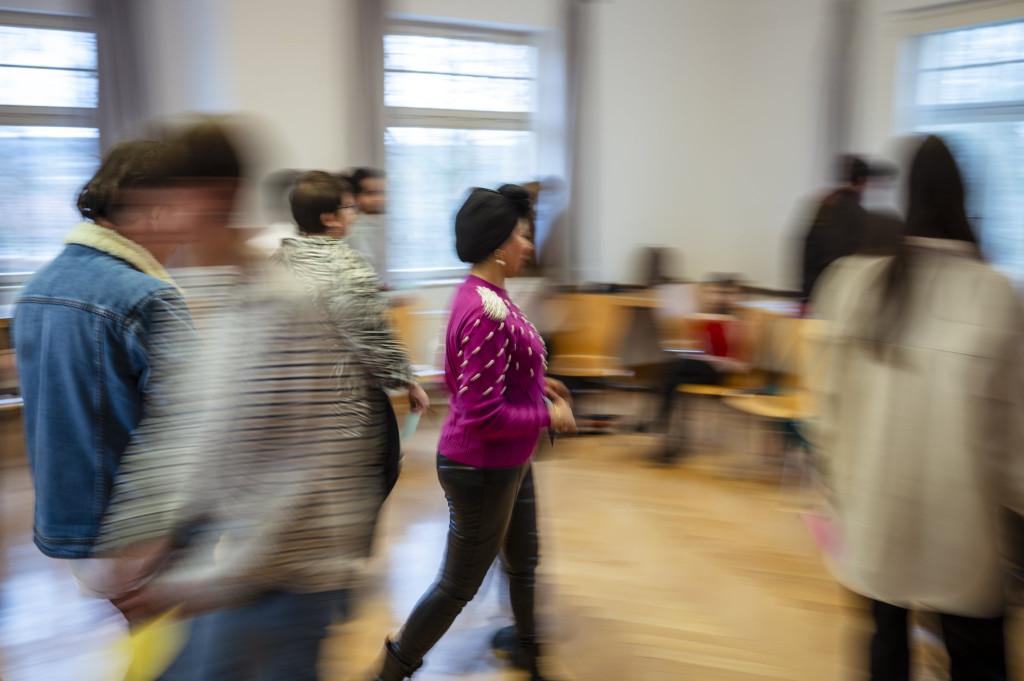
(491, 511)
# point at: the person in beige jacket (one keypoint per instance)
(919, 421)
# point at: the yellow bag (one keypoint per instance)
(154, 646)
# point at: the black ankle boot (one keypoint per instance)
(505, 642)
(393, 669)
(526, 658)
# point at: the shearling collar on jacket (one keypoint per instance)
(110, 242)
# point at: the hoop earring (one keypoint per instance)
(499, 258)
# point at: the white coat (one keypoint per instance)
(922, 446)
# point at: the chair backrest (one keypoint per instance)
(415, 329)
(590, 325)
(8, 369)
(399, 318)
(772, 344)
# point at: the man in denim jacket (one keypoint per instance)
(85, 332)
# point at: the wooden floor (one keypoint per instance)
(647, 573)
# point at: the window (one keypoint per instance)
(458, 109)
(49, 143)
(970, 90)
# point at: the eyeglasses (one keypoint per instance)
(353, 207)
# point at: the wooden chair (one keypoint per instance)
(711, 395)
(8, 371)
(791, 398)
(411, 327)
(588, 342)
(587, 352)
(12, 443)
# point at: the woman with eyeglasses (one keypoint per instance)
(346, 293)
(347, 213)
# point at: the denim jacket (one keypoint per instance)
(85, 342)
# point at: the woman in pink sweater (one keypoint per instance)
(501, 402)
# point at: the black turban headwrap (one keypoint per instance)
(487, 219)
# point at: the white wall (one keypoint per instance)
(292, 65)
(186, 56)
(700, 125)
(700, 120)
(295, 65)
(529, 14)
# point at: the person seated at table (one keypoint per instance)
(719, 357)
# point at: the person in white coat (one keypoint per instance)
(918, 427)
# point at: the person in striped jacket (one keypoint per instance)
(267, 461)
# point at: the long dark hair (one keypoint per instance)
(935, 209)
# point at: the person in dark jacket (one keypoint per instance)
(838, 224)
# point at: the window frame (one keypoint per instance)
(458, 119)
(916, 118)
(943, 114)
(43, 116)
(49, 116)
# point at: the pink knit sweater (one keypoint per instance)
(494, 367)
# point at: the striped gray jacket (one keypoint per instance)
(273, 438)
